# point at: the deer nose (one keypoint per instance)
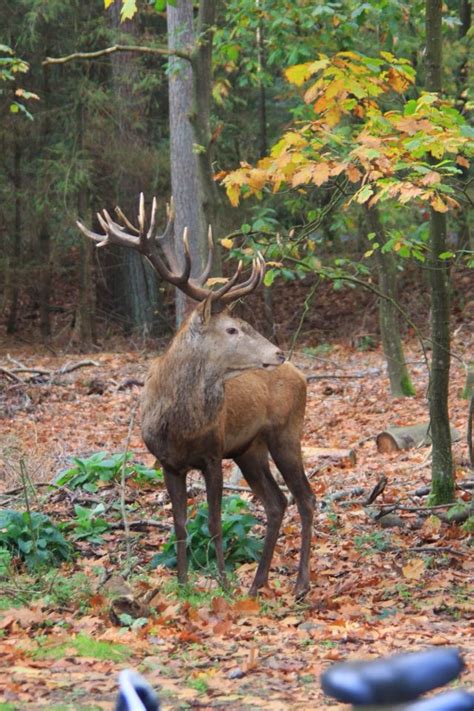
(281, 356)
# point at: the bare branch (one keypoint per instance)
(161, 51)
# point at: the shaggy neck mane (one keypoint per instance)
(188, 389)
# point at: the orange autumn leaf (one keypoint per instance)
(414, 569)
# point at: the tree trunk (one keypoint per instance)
(134, 281)
(465, 236)
(14, 263)
(442, 479)
(186, 177)
(400, 382)
(44, 235)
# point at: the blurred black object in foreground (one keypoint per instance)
(135, 693)
(400, 679)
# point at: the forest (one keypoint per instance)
(276, 198)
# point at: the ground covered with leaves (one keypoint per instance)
(380, 583)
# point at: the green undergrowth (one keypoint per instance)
(239, 545)
(89, 473)
(54, 588)
(85, 646)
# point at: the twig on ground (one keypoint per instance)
(351, 376)
(11, 374)
(430, 549)
(74, 366)
(20, 368)
(141, 525)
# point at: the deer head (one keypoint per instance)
(229, 343)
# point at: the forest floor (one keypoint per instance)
(375, 590)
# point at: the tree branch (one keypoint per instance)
(162, 51)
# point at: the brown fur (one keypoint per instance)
(193, 417)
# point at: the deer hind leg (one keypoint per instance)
(287, 456)
(213, 478)
(256, 470)
(176, 486)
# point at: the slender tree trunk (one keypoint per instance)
(14, 265)
(44, 235)
(400, 383)
(186, 144)
(442, 480)
(270, 326)
(465, 236)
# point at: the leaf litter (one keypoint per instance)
(375, 590)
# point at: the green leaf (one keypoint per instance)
(269, 277)
(128, 9)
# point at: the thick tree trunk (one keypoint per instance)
(400, 383)
(442, 479)
(186, 145)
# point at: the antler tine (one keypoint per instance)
(125, 220)
(219, 293)
(210, 254)
(184, 277)
(151, 229)
(255, 279)
(141, 214)
(100, 239)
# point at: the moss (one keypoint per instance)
(85, 646)
(407, 387)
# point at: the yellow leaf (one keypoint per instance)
(128, 10)
(303, 175)
(299, 73)
(108, 3)
(438, 205)
(320, 173)
(399, 82)
(321, 104)
(227, 243)
(233, 193)
(414, 569)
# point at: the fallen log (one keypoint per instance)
(393, 439)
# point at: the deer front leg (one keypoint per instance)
(213, 478)
(176, 486)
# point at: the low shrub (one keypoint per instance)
(238, 543)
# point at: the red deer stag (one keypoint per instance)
(220, 391)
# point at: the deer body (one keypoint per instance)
(220, 391)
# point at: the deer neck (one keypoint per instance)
(184, 393)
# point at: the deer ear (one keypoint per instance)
(204, 310)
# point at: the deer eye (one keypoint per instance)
(232, 331)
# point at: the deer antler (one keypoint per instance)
(148, 242)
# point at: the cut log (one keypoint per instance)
(393, 439)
